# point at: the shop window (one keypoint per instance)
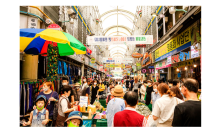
(160, 28)
(179, 14)
(168, 20)
(42, 67)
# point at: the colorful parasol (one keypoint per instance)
(36, 41)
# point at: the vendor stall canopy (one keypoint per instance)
(35, 41)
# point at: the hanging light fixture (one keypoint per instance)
(195, 65)
(185, 68)
(177, 69)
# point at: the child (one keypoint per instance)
(40, 116)
(74, 119)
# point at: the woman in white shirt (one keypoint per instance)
(164, 107)
(143, 90)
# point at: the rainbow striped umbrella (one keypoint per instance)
(35, 41)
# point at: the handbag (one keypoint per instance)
(145, 93)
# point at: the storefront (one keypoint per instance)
(177, 58)
(148, 67)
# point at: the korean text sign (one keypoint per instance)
(105, 40)
(176, 42)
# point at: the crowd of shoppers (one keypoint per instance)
(173, 104)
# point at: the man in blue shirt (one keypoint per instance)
(115, 105)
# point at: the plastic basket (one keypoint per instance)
(87, 122)
(94, 120)
(101, 123)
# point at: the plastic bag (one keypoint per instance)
(151, 122)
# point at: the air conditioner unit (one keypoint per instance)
(24, 8)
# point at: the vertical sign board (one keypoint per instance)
(83, 101)
(32, 22)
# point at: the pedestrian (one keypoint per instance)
(110, 96)
(77, 92)
(64, 107)
(65, 81)
(177, 92)
(170, 83)
(188, 113)
(131, 84)
(154, 95)
(149, 90)
(124, 88)
(143, 90)
(40, 116)
(136, 86)
(101, 88)
(129, 117)
(85, 91)
(115, 105)
(94, 91)
(127, 84)
(74, 119)
(164, 106)
(52, 97)
(176, 83)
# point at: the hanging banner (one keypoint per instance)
(115, 65)
(116, 40)
(117, 60)
(32, 22)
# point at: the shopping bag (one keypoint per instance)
(145, 93)
(151, 122)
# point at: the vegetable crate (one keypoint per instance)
(101, 123)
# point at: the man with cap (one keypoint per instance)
(115, 105)
(77, 92)
(40, 116)
(74, 119)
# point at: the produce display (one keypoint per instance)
(142, 109)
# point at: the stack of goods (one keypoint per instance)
(142, 109)
(98, 106)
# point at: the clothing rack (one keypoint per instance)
(69, 62)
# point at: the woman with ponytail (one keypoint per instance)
(164, 107)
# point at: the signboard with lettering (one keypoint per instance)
(182, 56)
(194, 53)
(32, 22)
(92, 60)
(114, 40)
(146, 60)
(117, 60)
(83, 101)
(174, 45)
(163, 64)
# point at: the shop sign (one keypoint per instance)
(150, 67)
(114, 40)
(183, 64)
(162, 64)
(169, 60)
(146, 59)
(174, 45)
(194, 53)
(83, 101)
(182, 56)
(92, 60)
(137, 55)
